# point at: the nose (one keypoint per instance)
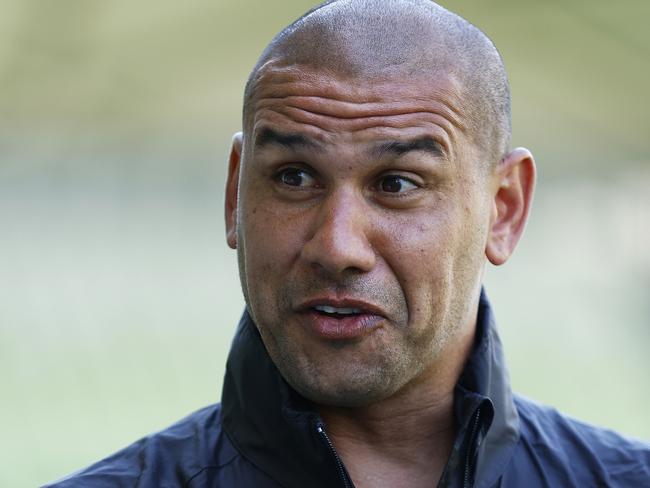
(338, 242)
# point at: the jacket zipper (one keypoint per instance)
(469, 453)
(342, 474)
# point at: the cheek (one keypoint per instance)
(419, 250)
(271, 244)
(422, 241)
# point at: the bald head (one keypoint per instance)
(400, 39)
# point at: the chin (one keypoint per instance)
(352, 392)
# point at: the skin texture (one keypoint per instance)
(332, 197)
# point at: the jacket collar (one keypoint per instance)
(485, 381)
(267, 421)
(275, 429)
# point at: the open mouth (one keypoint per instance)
(340, 319)
(341, 323)
(337, 312)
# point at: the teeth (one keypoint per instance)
(342, 310)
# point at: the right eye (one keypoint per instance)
(296, 177)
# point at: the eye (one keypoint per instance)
(296, 177)
(396, 184)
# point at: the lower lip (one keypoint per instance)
(351, 327)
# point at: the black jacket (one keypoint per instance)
(264, 435)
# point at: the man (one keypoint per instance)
(371, 182)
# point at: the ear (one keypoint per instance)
(514, 187)
(232, 190)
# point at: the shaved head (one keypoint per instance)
(400, 39)
(371, 184)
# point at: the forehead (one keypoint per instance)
(326, 105)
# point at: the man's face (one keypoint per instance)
(362, 215)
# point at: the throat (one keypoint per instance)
(415, 465)
(384, 452)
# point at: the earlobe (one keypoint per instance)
(512, 199)
(232, 190)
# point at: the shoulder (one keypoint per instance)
(192, 452)
(576, 453)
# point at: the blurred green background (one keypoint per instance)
(118, 295)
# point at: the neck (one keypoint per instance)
(408, 436)
(381, 445)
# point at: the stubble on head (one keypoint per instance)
(399, 39)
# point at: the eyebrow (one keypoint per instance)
(268, 136)
(426, 143)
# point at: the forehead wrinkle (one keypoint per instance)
(325, 99)
(334, 124)
(348, 110)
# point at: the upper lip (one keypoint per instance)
(364, 306)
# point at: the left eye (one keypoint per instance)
(396, 184)
(296, 177)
